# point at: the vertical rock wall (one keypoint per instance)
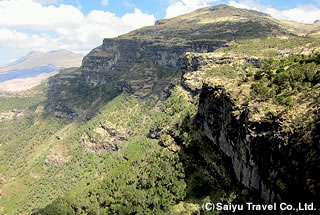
(264, 158)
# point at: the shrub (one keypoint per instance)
(250, 74)
(282, 80)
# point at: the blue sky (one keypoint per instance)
(158, 7)
(80, 25)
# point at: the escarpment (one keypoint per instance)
(271, 154)
(116, 57)
(145, 61)
(267, 159)
(143, 69)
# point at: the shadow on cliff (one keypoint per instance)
(68, 97)
(287, 168)
(209, 172)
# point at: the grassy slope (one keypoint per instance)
(218, 24)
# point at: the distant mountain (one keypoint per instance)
(24, 73)
(59, 58)
(31, 69)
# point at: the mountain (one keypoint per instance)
(219, 105)
(203, 30)
(24, 73)
(144, 61)
(35, 67)
(59, 58)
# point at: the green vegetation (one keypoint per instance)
(10, 103)
(29, 99)
(269, 47)
(227, 71)
(148, 185)
(52, 160)
(140, 169)
(283, 79)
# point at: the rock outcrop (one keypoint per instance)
(265, 158)
(12, 114)
(194, 65)
(105, 138)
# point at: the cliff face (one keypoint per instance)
(165, 43)
(231, 133)
(275, 163)
(146, 61)
(141, 68)
(116, 57)
(271, 153)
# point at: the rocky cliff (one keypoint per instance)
(278, 163)
(141, 68)
(144, 62)
(273, 150)
(116, 57)
(165, 43)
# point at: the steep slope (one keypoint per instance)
(263, 114)
(165, 43)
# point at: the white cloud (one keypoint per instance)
(138, 19)
(19, 40)
(29, 14)
(302, 13)
(105, 2)
(179, 7)
(60, 27)
(47, 1)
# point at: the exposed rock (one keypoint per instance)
(105, 138)
(57, 156)
(195, 63)
(12, 114)
(261, 152)
(154, 134)
(116, 57)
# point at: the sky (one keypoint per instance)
(81, 25)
